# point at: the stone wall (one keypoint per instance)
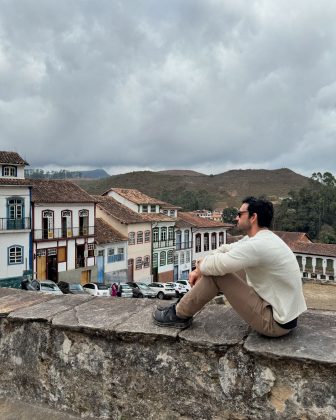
(104, 358)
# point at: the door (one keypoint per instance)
(130, 269)
(100, 267)
(85, 277)
(52, 268)
(41, 267)
(80, 259)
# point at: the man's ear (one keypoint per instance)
(254, 217)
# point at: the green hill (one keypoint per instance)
(216, 191)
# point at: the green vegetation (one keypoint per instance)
(312, 209)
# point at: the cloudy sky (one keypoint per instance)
(208, 85)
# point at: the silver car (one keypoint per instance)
(46, 286)
(163, 290)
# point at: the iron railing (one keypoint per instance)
(163, 244)
(14, 224)
(183, 245)
(60, 233)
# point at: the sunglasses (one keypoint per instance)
(242, 212)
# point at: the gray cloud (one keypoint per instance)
(201, 84)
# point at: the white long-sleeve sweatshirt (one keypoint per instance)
(271, 269)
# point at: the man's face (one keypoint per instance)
(243, 221)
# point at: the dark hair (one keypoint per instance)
(263, 209)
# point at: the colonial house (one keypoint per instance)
(63, 231)
(162, 217)
(15, 219)
(111, 253)
(133, 226)
(207, 235)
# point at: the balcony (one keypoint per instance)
(60, 233)
(183, 245)
(163, 244)
(80, 262)
(14, 224)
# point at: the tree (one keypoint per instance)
(229, 214)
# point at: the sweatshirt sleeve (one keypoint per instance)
(237, 258)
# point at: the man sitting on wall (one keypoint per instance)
(259, 276)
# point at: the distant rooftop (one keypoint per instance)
(12, 158)
(201, 222)
(106, 234)
(137, 197)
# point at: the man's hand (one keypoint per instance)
(195, 275)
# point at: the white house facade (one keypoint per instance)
(15, 219)
(63, 232)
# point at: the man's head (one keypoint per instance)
(254, 214)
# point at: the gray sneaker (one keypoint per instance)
(166, 317)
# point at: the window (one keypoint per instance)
(138, 263)
(83, 222)
(171, 233)
(61, 254)
(182, 258)
(15, 211)
(101, 253)
(162, 258)
(131, 238)
(139, 237)
(113, 257)
(165, 212)
(170, 257)
(213, 240)
(163, 234)
(155, 235)
(188, 257)
(66, 223)
(15, 254)
(147, 236)
(176, 259)
(120, 250)
(206, 242)
(198, 243)
(186, 237)
(144, 208)
(178, 239)
(221, 238)
(153, 209)
(47, 224)
(91, 248)
(146, 261)
(9, 171)
(172, 213)
(155, 260)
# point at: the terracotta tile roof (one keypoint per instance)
(157, 217)
(135, 196)
(168, 206)
(117, 210)
(58, 191)
(230, 238)
(310, 248)
(201, 222)
(182, 224)
(291, 237)
(106, 234)
(12, 158)
(15, 181)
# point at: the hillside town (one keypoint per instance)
(53, 229)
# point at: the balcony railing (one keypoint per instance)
(14, 224)
(163, 244)
(183, 245)
(80, 262)
(59, 233)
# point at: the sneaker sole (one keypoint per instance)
(180, 326)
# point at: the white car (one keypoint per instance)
(163, 290)
(96, 289)
(180, 289)
(185, 283)
(46, 286)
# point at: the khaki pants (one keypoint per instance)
(242, 297)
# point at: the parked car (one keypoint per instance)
(71, 288)
(163, 290)
(180, 289)
(46, 286)
(184, 283)
(96, 289)
(125, 290)
(141, 290)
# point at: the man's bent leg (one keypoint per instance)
(249, 305)
(204, 290)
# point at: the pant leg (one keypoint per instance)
(242, 297)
